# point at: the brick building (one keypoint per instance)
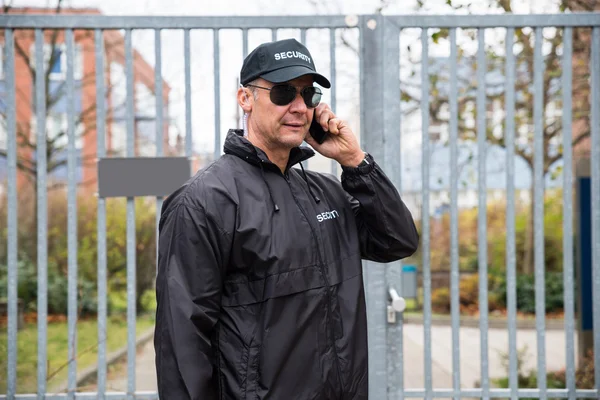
(85, 95)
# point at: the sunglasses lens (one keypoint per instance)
(312, 96)
(282, 95)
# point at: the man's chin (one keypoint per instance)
(293, 139)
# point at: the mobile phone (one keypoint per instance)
(316, 130)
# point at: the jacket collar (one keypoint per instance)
(237, 145)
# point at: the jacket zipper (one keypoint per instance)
(323, 272)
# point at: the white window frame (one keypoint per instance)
(3, 133)
(118, 138)
(62, 75)
(2, 61)
(55, 123)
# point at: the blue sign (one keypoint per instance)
(585, 254)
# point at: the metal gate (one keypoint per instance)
(380, 121)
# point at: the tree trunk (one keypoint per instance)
(527, 265)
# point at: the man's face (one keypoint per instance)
(281, 126)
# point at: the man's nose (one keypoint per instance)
(298, 104)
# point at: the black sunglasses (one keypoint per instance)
(283, 94)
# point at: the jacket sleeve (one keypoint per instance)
(193, 251)
(386, 229)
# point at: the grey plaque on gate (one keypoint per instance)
(141, 176)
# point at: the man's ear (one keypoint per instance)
(245, 99)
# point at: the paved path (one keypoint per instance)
(441, 350)
(145, 372)
(470, 354)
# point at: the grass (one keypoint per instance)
(57, 349)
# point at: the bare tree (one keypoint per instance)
(56, 144)
(524, 119)
(85, 120)
(524, 46)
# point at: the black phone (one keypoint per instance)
(316, 131)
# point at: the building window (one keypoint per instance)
(58, 69)
(3, 133)
(56, 129)
(2, 56)
(118, 139)
(118, 88)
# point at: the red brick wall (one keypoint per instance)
(143, 73)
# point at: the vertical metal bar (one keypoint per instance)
(72, 217)
(397, 166)
(482, 214)
(244, 55)
(372, 139)
(131, 278)
(274, 34)
(511, 249)
(425, 213)
(158, 89)
(390, 87)
(101, 229)
(538, 215)
(188, 93)
(362, 89)
(11, 118)
(363, 76)
(245, 42)
(454, 176)
(567, 120)
(595, 132)
(332, 70)
(160, 126)
(42, 228)
(217, 74)
(305, 163)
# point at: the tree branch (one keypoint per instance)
(518, 151)
(59, 163)
(580, 138)
(551, 66)
(23, 54)
(6, 7)
(20, 165)
(574, 143)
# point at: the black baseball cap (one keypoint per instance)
(280, 61)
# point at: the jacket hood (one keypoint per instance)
(236, 144)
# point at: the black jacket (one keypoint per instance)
(260, 289)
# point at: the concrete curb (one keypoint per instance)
(90, 373)
(493, 323)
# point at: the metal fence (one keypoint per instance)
(380, 122)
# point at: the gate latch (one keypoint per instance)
(397, 304)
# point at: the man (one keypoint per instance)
(259, 289)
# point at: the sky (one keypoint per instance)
(203, 111)
(275, 7)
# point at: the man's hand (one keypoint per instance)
(341, 145)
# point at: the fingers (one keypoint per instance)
(334, 126)
(324, 118)
(327, 119)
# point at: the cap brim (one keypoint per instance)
(288, 73)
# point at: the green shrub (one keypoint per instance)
(440, 300)
(469, 293)
(526, 292)
(87, 251)
(584, 375)
(27, 284)
(148, 300)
